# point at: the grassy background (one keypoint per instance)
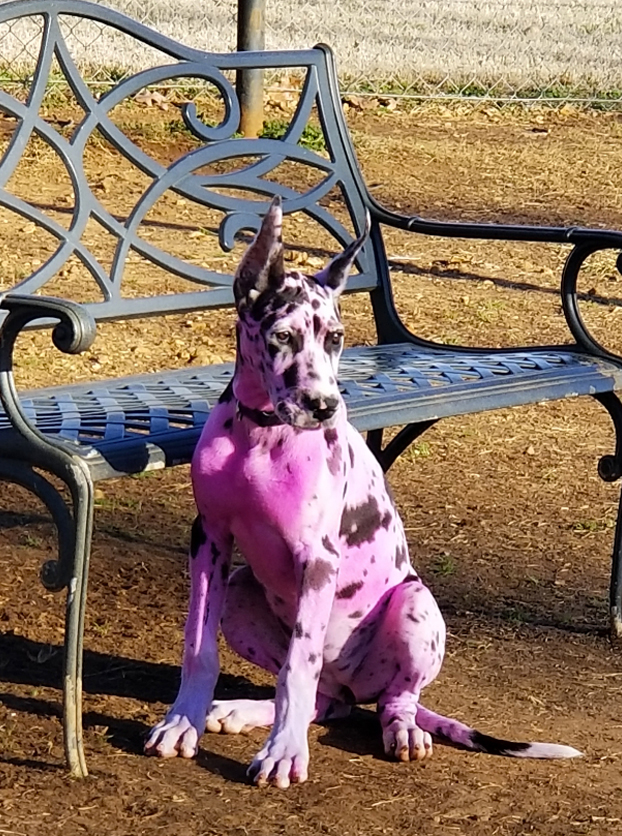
(501, 47)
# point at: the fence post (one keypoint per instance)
(249, 83)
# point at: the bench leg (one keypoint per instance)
(610, 470)
(69, 571)
(404, 438)
(81, 488)
(615, 588)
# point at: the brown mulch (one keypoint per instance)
(506, 517)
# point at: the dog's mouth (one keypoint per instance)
(301, 418)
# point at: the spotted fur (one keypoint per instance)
(329, 601)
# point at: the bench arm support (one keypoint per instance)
(73, 333)
(585, 242)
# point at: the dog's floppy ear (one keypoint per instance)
(335, 274)
(262, 264)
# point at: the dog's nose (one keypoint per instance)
(323, 408)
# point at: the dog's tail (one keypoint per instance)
(452, 731)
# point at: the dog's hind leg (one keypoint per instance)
(259, 636)
(402, 654)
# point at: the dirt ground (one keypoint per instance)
(506, 517)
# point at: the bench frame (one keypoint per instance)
(26, 449)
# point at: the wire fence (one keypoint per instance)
(505, 51)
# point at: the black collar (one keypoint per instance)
(258, 416)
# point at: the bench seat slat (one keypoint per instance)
(146, 422)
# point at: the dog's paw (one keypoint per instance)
(239, 716)
(281, 762)
(404, 740)
(175, 735)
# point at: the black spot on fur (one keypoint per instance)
(351, 452)
(271, 302)
(413, 618)
(316, 574)
(312, 658)
(298, 631)
(197, 536)
(268, 321)
(330, 436)
(356, 614)
(317, 324)
(215, 552)
(401, 556)
(334, 460)
(360, 524)
(315, 304)
(297, 342)
(495, 746)
(328, 545)
(227, 395)
(350, 590)
(410, 579)
(290, 376)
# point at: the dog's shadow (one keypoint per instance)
(360, 733)
(31, 663)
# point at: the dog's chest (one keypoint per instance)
(275, 476)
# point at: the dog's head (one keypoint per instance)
(289, 326)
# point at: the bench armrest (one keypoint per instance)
(584, 241)
(73, 333)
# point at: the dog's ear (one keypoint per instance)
(335, 274)
(262, 264)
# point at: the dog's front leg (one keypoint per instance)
(179, 732)
(285, 755)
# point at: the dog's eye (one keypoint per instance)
(336, 337)
(283, 337)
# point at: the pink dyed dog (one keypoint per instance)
(329, 601)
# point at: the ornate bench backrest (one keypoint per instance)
(133, 235)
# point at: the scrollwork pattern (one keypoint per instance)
(241, 193)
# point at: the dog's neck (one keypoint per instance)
(248, 386)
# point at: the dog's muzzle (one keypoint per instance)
(311, 413)
(323, 409)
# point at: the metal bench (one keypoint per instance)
(86, 432)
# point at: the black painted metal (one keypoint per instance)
(610, 470)
(401, 442)
(610, 466)
(86, 432)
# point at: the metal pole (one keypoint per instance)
(249, 83)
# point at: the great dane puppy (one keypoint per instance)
(328, 600)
